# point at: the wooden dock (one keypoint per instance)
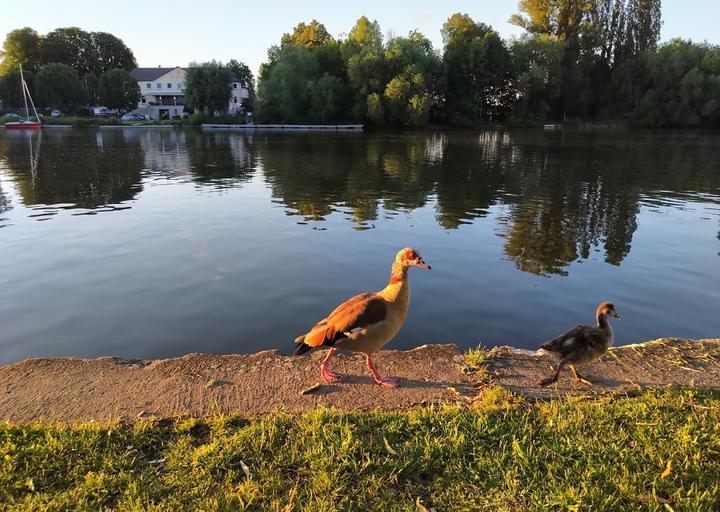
(287, 127)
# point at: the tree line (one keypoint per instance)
(68, 68)
(577, 60)
(585, 60)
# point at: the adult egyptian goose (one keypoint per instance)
(367, 322)
(581, 344)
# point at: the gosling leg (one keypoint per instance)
(554, 378)
(579, 377)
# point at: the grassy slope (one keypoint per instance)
(609, 453)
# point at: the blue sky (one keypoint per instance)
(170, 34)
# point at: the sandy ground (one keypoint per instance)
(73, 389)
(653, 364)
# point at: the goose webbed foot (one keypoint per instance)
(388, 382)
(327, 375)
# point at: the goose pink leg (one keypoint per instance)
(383, 381)
(327, 375)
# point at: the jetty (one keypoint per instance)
(286, 127)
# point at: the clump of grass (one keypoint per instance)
(476, 357)
(610, 453)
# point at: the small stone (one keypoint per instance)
(311, 389)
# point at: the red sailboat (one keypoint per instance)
(25, 124)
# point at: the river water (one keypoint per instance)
(145, 243)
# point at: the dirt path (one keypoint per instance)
(652, 364)
(72, 389)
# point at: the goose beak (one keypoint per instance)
(422, 264)
(615, 315)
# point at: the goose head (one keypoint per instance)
(404, 259)
(409, 257)
(607, 309)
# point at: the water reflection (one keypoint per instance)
(219, 160)
(5, 205)
(560, 197)
(69, 171)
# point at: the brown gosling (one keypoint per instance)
(582, 344)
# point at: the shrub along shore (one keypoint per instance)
(624, 449)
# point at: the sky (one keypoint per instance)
(173, 34)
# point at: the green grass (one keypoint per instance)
(607, 453)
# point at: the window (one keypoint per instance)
(179, 85)
(143, 99)
(234, 99)
(159, 85)
(234, 86)
(148, 85)
(169, 86)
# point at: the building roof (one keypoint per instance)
(149, 74)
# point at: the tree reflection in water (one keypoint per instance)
(557, 197)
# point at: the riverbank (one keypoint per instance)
(486, 448)
(613, 447)
(203, 385)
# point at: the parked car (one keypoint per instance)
(100, 112)
(132, 117)
(55, 113)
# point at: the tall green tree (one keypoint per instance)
(70, 46)
(118, 89)
(208, 87)
(21, 46)
(412, 69)
(86, 52)
(365, 34)
(363, 53)
(92, 82)
(305, 78)
(681, 90)
(538, 70)
(11, 93)
(308, 34)
(111, 53)
(479, 71)
(58, 86)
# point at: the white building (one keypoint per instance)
(163, 93)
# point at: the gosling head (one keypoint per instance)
(607, 309)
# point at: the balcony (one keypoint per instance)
(166, 101)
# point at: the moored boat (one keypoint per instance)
(25, 124)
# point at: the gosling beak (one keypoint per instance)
(422, 264)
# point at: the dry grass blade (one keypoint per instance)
(389, 448)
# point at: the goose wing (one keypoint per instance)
(357, 312)
(577, 338)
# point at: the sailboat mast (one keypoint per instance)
(22, 86)
(27, 90)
